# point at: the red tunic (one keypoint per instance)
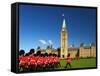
(20, 57)
(32, 60)
(27, 59)
(31, 56)
(57, 59)
(54, 60)
(39, 61)
(51, 59)
(42, 60)
(22, 60)
(46, 60)
(68, 60)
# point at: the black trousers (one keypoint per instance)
(68, 64)
(32, 68)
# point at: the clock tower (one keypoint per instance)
(64, 41)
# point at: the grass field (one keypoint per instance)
(81, 63)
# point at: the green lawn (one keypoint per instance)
(81, 63)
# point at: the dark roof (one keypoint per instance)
(86, 47)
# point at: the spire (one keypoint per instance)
(64, 24)
(73, 44)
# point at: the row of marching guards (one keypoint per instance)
(38, 61)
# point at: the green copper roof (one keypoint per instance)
(64, 24)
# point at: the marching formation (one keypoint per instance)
(37, 62)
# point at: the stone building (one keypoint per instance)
(73, 52)
(50, 50)
(81, 51)
(87, 51)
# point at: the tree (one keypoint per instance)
(38, 47)
(48, 47)
(58, 49)
(82, 44)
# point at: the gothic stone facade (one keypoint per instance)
(88, 51)
(83, 51)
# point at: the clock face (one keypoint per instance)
(63, 30)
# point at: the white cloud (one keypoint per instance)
(50, 42)
(43, 42)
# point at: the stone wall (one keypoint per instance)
(72, 53)
(87, 51)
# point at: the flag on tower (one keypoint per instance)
(63, 15)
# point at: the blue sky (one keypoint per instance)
(45, 22)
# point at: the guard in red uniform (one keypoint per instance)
(32, 62)
(41, 62)
(38, 63)
(21, 60)
(51, 62)
(56, 60)
(21, 63)
(26, 62)
(68, 60)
